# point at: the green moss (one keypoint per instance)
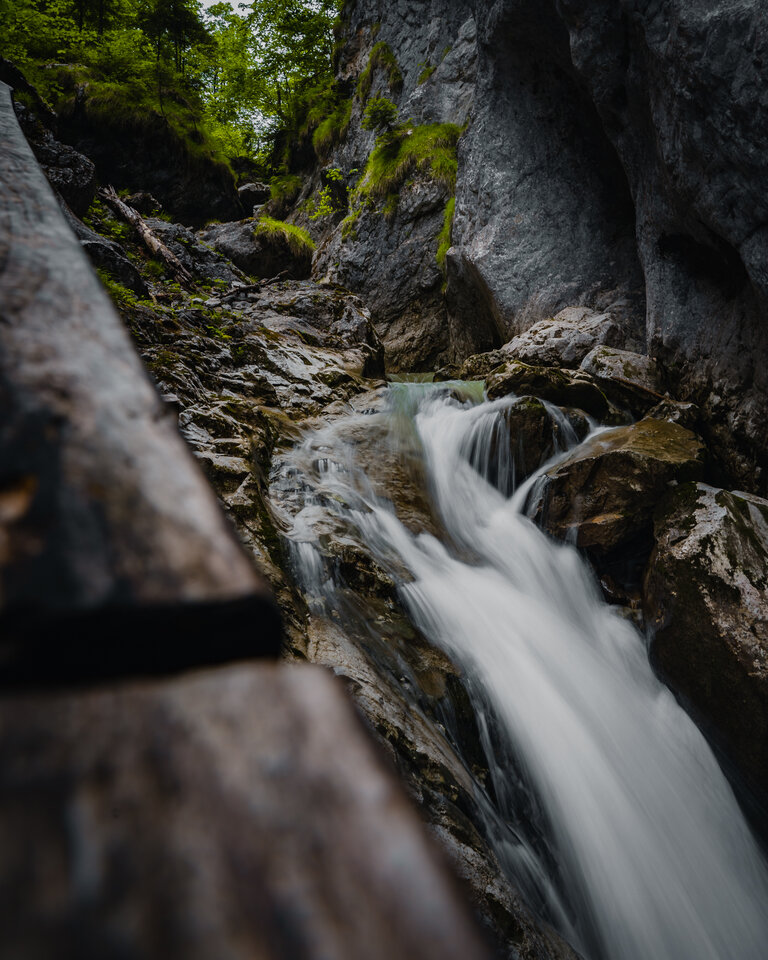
(428, 150)
(146, 110)
(444, 237)
(121, 296)
(298, 240)
(426, 73)
(381, 56)
(349, 225)
(285, 188)
(332, 130)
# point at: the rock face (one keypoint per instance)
(606, 491)
(191, 185)
(543, 215)
(258, 255)
(615, 157)
(681, 89)
(706, 598)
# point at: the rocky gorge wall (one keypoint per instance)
(612, 155)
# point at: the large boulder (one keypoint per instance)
(259, 254)
(605, 492)
(631, 380)
(253, 194)
(508, 445)
(565, 339)
(706, 599)
(550, 383)
(197, 257)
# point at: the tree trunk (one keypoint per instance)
(155, 246)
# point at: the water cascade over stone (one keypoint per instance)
(623, 830)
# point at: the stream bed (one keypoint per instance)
(602, 801)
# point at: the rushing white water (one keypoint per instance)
(652, 850)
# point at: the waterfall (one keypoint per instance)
(649, 856)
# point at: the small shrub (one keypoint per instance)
(332, 130)
(285, 188)
(380, 114)
(381, 56)
(299, 241)
(426, 73)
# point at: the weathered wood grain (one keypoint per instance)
(240, 814)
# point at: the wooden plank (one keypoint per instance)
(240, 814)
(103, 512)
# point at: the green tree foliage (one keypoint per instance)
(247, 73)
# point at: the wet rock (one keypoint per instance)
(565, 339)
(688, 415)
(197, 257)
(174, 818)
(69, 172)
(550, 383)
(706, 601)
(606, 491)
(630, 379)
(253, 194)
(396, 471)
(107, 255)
(261, 256)
(510, 444)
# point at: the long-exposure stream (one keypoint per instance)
(621, 828)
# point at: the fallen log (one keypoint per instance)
(153, 243)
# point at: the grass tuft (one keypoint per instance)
(444, 237)
(429, 149)
(381, 56)
(426, 73)
(299, 241)
(332, 130)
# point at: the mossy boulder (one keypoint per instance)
(605, 493)
(550, 383)
(706, 599)
(264, 248)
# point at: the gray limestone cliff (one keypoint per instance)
(612, 155)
